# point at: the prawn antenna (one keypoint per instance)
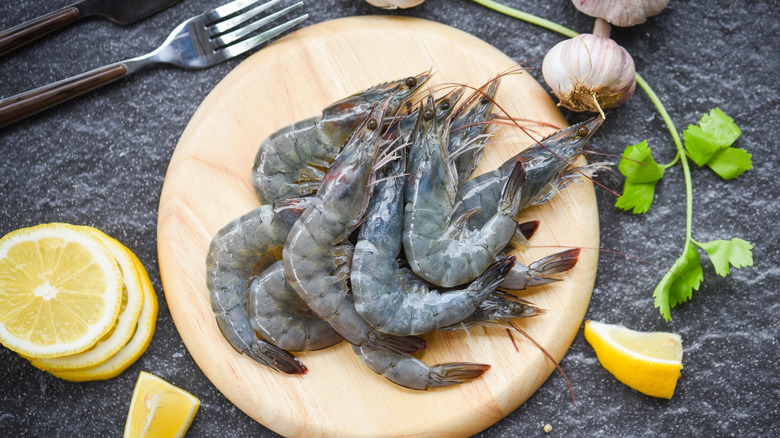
(549, 356)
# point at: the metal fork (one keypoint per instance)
(202, 41)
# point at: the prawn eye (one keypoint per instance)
(372, 124)
(485, 100)
(582, 131)
(411, 82)
(445, 105)
(427, 114)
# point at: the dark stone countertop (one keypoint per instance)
(100, 160)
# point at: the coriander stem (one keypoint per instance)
(680, 155)
(533, 19)
(555, 27)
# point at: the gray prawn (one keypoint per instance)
(469, 129)
(238, 251)
(439, 249)
(317, 255)
(548, 170)
(290, 161)
(394, 299)
(282, 318)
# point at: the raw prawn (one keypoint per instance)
(468, 130)
(239, 250)
(547, 167)
(291, 161)
(393, 299)
(439, 249)
(316, 254)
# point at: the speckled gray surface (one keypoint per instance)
(100, 160)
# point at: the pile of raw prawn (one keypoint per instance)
(384, 237)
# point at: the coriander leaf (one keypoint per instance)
(636, 197)
(700, 145)
(721, 125)
(716, 131)
(729, 163)
(639, 165)
(678, 284)
(724, 252)
(642, 173)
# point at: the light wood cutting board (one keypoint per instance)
(207, 185)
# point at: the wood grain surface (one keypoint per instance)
(207, 185)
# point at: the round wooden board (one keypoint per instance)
(207, 185)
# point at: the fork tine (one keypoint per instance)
(236, 35)
(251, 43)
(227, 9)
(228, 25)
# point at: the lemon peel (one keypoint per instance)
(135, 347)
(159, 409)
(649, 362)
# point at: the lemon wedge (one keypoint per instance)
(159, 409)
(649, 362)
(134, 348)
(123, 329)
(60, 290)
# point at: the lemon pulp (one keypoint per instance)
(60, 290)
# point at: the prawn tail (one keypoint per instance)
(396, 344)
(454, 373)
(555, 263)
(493, 276)
(276, 358)
(528, 228)
(511, 194)
(523, 232)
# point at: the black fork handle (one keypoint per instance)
(26, 104)
(24, 33)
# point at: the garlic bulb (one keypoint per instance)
(393, 4)
(589, 73)
(621, 13)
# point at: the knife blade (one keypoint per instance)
(121, 12)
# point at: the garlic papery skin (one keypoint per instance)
(393, 4)
(589, 73)
(621, 13)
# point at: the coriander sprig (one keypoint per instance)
(708, 144)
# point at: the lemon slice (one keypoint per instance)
(134, 349)
(123, 329)
(60, 290)
(159, 409)
(649, 362)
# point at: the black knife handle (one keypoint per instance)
(24, 33)
(26, 104)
